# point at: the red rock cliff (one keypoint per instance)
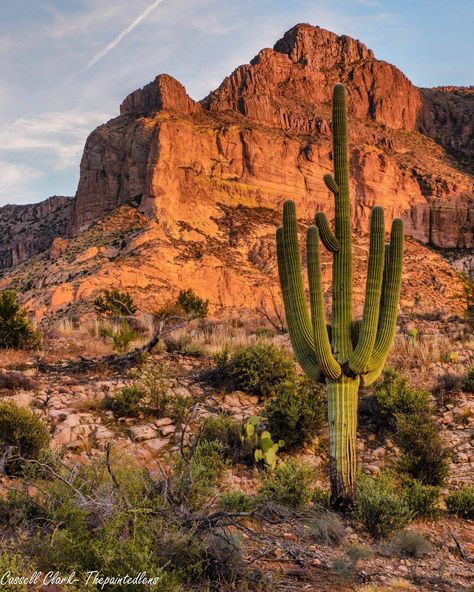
(264, 135)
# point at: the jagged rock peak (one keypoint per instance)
(165, 93)
(290, 86)
(306, 44)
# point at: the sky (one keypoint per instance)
(66, 65)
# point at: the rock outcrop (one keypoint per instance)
(447, 115)
(27, 230)
(160, 95)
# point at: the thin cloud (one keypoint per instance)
(18, 182)
(123, 34)
(57, 136)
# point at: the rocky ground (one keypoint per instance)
(71, 404)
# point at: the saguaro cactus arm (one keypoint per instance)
(289, 267)
(392, 281)
(331, 183)
(322, 347)
(327, 237)
(360, 356)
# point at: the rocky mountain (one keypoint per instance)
(29, 229)
(209, 177)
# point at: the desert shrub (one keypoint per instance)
(13, 566)
(215, 556)
(195, 481)
(238, 501)
(179, 408)
(226, 430)
(13, 380)
(423, 455)
(123, 337)
(259, 369)
(152, 380)
(379, 506)
(126, 402)
(394, 397)
(461, 502)
(17, 509)
(407, 543)
(115, 303)
(326, 528)
(23, 433)
(289, 485)
(296, 412)
(421, 499)
(88, 525)
(16, 331)
(469, 381)
(191, 304)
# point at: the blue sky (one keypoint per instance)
(65, 65)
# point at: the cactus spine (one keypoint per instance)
(347, 353)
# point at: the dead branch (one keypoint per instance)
(460, 548)
(274, 317)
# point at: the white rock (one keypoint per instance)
(143, 432)
(103, 433)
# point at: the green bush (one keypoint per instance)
(379, 506)
(409, 544)
(259, 369)
(238, 501)
(394, 397)
(24, 432)
(469, 380)
(461, 502)
(152, 380)
(126, 402)
(16, 331)
(421, 499)
(115, 303)
(423, 455)
(123, 337)
(194, 483)
(289, 485)
(17, 566)
(296, 412)
(226, 430)
(191, 304)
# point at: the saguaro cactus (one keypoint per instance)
(347, 353)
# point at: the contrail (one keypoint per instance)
(123, 34)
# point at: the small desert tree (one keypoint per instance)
(348, 353)
(115, 303)
(16, 331)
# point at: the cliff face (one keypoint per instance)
(29, 229)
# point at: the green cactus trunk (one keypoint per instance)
(347, 353)
(342, 420)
